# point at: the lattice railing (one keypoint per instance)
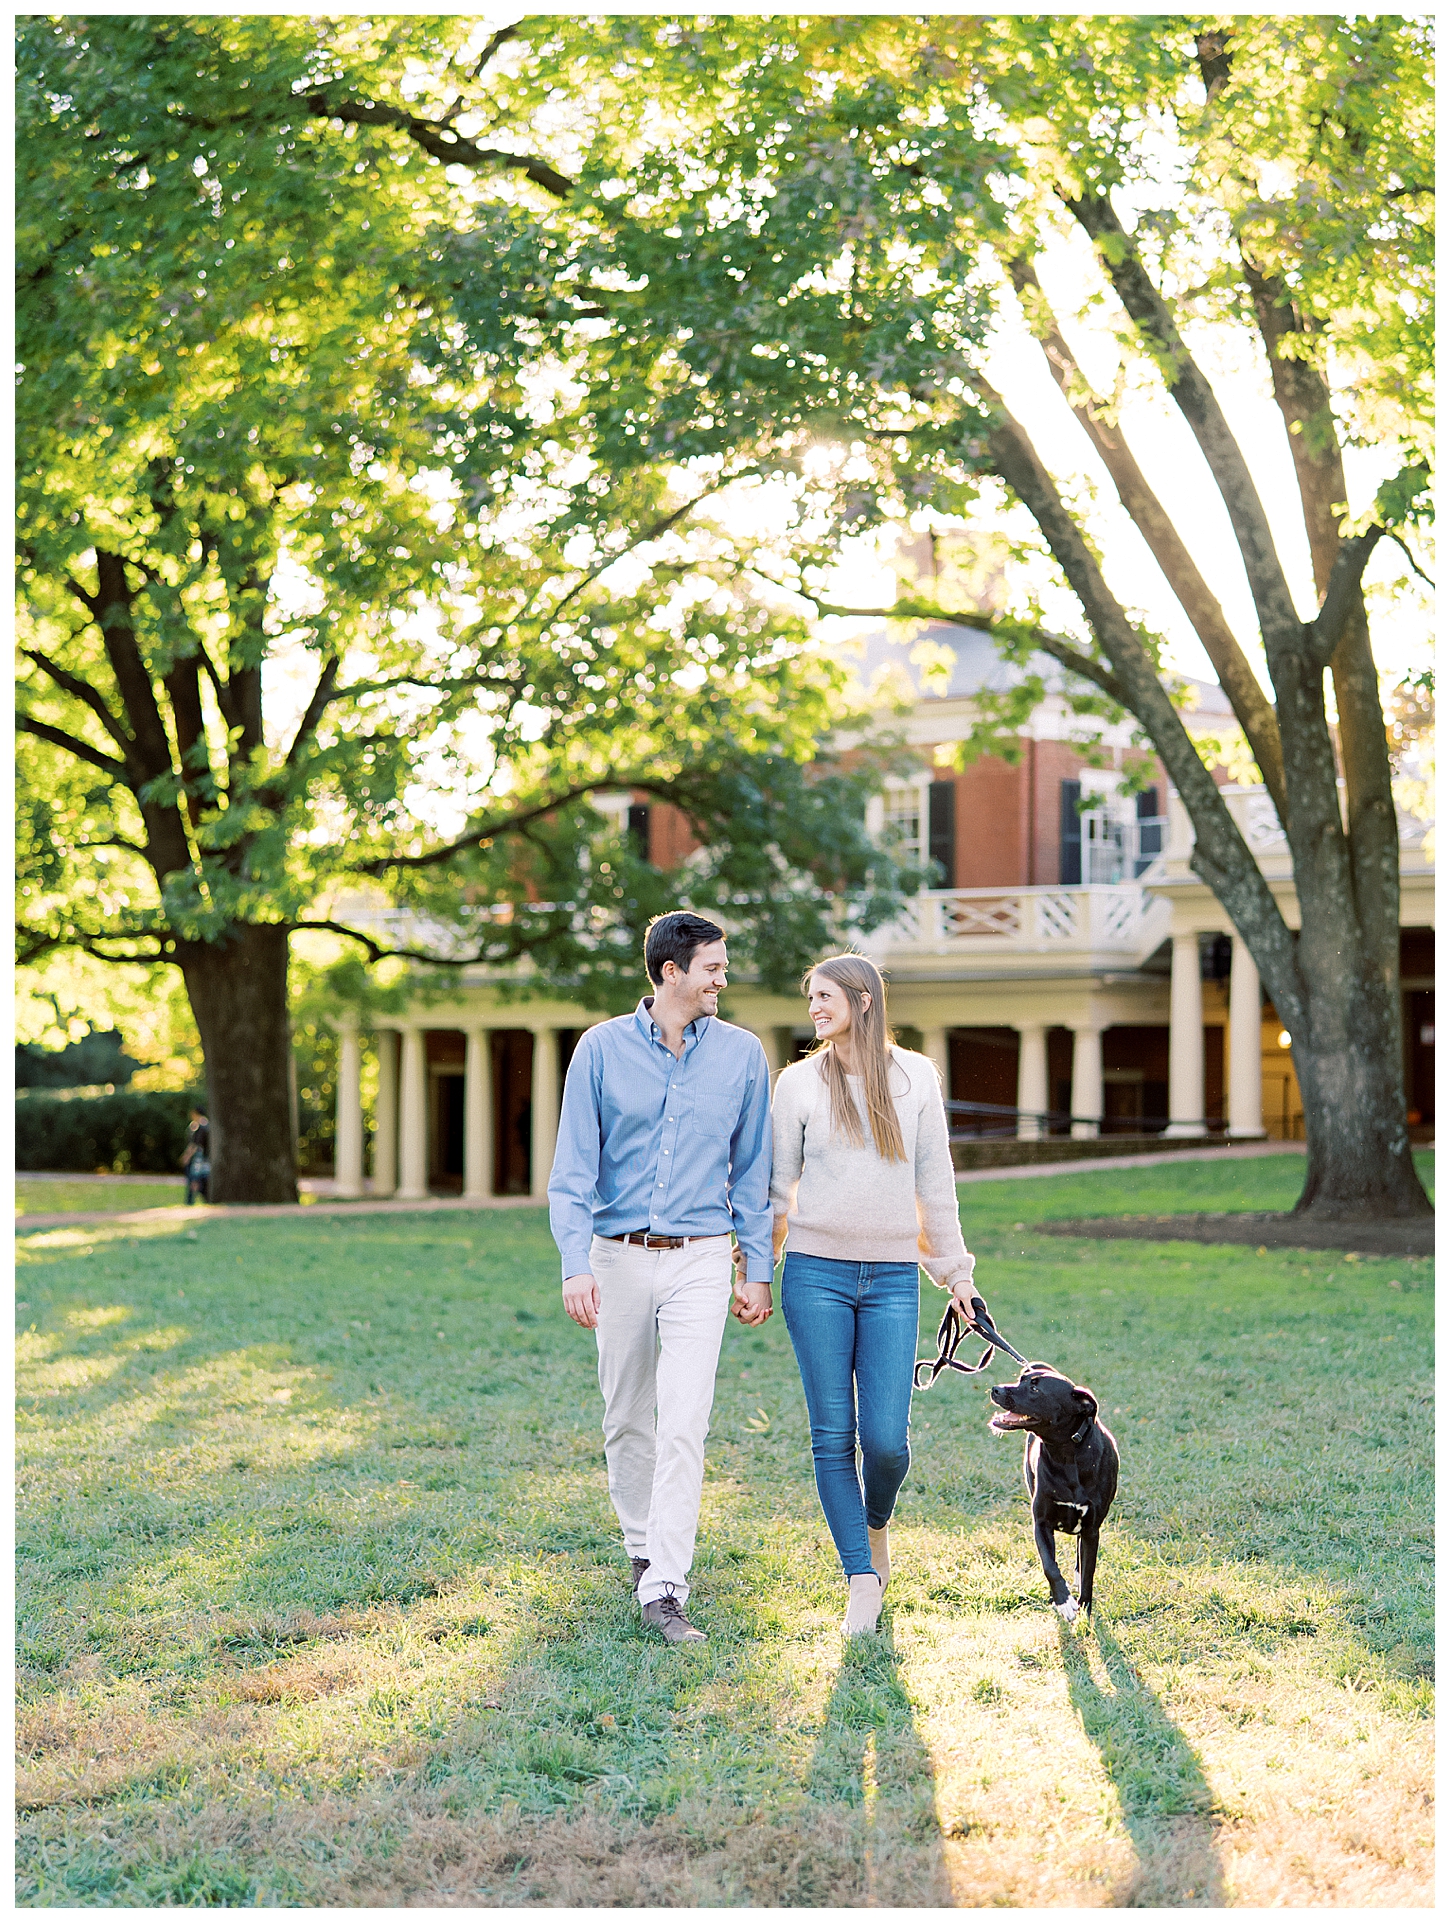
(1029, 920)
(966, 917)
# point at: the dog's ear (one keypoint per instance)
(1086, 1401)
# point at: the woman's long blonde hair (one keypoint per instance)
(870, 1051)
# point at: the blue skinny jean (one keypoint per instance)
(853, 1328)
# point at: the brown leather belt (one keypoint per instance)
(644, 1240)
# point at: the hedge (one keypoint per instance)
(121, 1134)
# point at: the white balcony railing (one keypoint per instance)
(1121, 924)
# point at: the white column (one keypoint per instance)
(545, 1110)
(1185, 1040)
(1032, 1091)
(1245, 1063)
(478, 1118)
(413, 1119)
(1087, 1082)
(934, 1047)
(348, 1148)
(385, 1121)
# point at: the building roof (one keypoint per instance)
(977, 666)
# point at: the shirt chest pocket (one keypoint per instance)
(716, 1109)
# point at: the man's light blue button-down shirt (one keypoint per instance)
(675, 1147)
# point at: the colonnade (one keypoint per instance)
(400, 1140)
(1185, 1055)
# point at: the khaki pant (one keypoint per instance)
(661, 1316)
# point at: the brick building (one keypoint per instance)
(1068, 966)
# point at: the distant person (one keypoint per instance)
(197, 1158)
(863, 1188)
(664, 1149)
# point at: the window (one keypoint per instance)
(1150, 831)
(942, 832)
(902, 819)
(638, 820)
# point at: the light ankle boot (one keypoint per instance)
(864, 1607)
(880, 1541)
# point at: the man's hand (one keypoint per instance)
(581, 1300)
(753, 1304)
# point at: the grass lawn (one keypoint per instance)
(322, 1602)
(51, 1198)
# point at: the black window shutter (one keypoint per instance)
(941, 831)
(639, 828)
(1150, 840)
(1071, 835)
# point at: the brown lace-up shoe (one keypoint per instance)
(668, 1617)
(638, 1565)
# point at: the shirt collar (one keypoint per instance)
(645, 1017)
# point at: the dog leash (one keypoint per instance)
(954, 1327)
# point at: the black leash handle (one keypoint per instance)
(953, 1328)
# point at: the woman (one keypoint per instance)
(864, 1187)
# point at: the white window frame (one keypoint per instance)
(897, 790)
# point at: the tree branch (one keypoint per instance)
(84, 692)
(448, 684)
(113, 841)
(520, 819)
(322, 694)
(82, 750)
(89, 602)
(1220, 854)
(376, 952)
(439, 140)
(31, 947)
(1196, 400)
(1327, 628)
(183, 685)
(1415, 567)
(1249, 702)
(495, 41)
(1056, 645)
(652, 533)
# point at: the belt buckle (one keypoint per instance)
(658, 1242)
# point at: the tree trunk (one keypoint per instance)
(237, 987)
(1360, 1166)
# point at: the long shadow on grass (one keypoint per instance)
(870, 1759)
(1156, 1774)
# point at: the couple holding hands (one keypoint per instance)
(669, 1142)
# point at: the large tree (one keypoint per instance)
(783, 245)
(332, 579)
(820, 215)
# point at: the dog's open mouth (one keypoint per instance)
(1004, 1419)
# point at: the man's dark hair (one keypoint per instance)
(675, 937)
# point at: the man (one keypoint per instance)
(664, 1148)
(197, 1159)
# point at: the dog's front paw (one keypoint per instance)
(1067, 1610)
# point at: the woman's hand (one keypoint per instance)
(967, 1298)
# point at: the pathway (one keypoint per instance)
(454, 1204)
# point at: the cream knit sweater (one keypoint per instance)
(847, 1203)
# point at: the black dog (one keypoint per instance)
(1071, 1466)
